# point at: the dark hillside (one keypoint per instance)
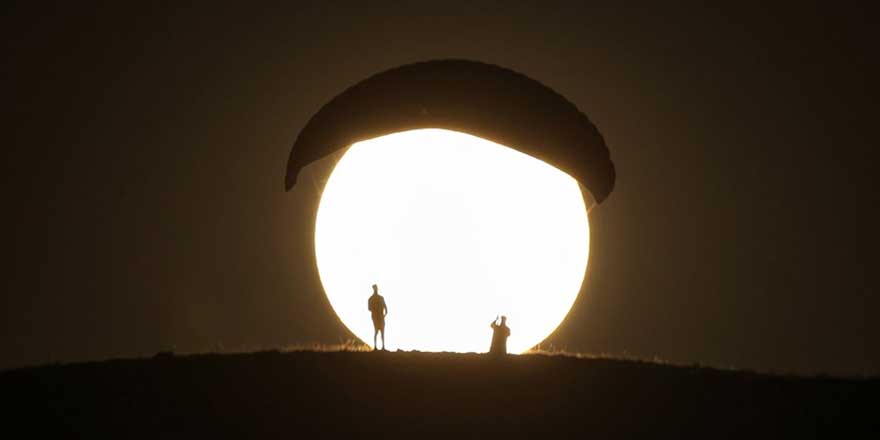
(402, 395)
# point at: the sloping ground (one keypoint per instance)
(416, 395)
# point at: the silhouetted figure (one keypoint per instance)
(500, 333)
(377, 307)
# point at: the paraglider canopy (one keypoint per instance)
(484, 100)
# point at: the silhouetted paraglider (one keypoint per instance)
(480, 99)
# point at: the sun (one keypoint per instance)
(455, 230)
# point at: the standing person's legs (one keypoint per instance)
(376, 332)
(383, 338)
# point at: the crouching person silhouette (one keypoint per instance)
(500, 333)
(378, 309)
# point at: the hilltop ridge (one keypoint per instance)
(402, 394)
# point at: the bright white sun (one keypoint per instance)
(455, 230)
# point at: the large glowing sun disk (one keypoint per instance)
(455, 230)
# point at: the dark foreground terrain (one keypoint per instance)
(417, 395)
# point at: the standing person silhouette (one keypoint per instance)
(378, 309)
(500, 333)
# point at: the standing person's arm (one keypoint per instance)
(384, 308)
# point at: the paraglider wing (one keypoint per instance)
(484, 100)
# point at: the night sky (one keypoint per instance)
(145, 151)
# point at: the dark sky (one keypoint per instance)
(145, 152)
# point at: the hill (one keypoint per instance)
(410, 394)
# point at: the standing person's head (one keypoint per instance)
(376, 289)
(503, 319)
